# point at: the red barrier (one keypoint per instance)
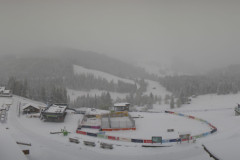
(81, 132)
(147, 141)
(212, 126)
(111, 137)
(191, 117)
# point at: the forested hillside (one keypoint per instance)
(46, 75)
(222, 81)
(58, 60)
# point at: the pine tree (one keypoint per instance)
(172, 102)
(166, 99)
(179, 103)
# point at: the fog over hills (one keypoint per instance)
(189, 35)
(58, 62)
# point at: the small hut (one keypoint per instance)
(118, 107)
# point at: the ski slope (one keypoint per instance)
(74, 94)
(109, 77)
(153, 87)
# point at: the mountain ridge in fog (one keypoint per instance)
(61, 60)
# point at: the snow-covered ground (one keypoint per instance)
(74, 94)
(153, 87)
(109, 77)
(216, 109)
(156, 89)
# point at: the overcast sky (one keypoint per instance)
(195, 32)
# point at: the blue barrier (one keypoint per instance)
(137, 140)
(92, 134)
(180, 114)
(173, 140)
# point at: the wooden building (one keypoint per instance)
(30, 108)
(118, 107)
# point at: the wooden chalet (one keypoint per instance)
(31, 108)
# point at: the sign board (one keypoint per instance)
(156, 139)
(185, 135)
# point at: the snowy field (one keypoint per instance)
(81, 70)
(218, 110)
(74, 94)
(153, 87)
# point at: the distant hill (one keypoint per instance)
(58, 63)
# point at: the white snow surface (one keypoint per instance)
(218, 110)
(9, 148)
(81, 70)
(156, 89)
(153, 87)
(74, 94)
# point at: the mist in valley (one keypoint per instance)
(189, 47)
(186, 36)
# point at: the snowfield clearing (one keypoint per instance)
(81, 70)
(74, 94)
(153, 87)
(218, 110)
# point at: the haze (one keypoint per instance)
(201, 35)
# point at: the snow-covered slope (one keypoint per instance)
(153, 87)
(74, 94)
(81, 70)
(156, 89)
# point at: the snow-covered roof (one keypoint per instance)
(2, 89)
(6, 91)
(56, 109)
(31, 104)
(93, 111)
(121, 104)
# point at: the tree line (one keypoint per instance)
(224, 81)
(45, 92)
(89, 81)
